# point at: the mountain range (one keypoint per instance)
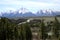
(23, 12)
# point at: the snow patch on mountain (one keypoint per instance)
(23, 12)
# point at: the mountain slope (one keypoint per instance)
(26, 13)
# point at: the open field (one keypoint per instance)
(45, 18)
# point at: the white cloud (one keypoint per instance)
(15, 4)
(27, 3)
(10, 8)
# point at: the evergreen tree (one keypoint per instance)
(43, 30)
(28, 32)
(56, 27)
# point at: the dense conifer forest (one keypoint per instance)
(10, 30)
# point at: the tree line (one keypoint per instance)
(11, 31)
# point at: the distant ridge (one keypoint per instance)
(23, 12)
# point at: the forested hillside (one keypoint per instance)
(36, 29)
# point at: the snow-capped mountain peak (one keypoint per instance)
(49, 11)
(23, 10)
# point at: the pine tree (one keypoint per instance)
(43, 32)
(56, 26)
(28, 32)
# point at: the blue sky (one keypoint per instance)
(31, 5)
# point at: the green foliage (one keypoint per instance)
(25, 32)
(43, 28)
(56, 27)
(28, 32)
(12, 31)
